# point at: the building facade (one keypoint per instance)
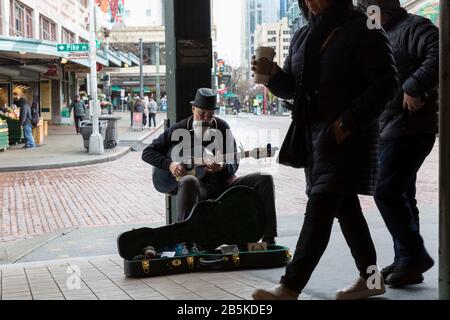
(276, 35)
(284, 7)
(31, 65)
(255, 12)
(126, 39)
(295, 17)
(144, 13)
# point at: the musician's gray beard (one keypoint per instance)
(202, 131)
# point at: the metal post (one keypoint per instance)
(444, 145)
(214, 81)
(158, 78)
(186, 21)
(141, 67)
(96, 140)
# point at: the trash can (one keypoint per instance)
(111, 131)
(138, 121)
(86, 130)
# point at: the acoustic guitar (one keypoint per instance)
(165, 182)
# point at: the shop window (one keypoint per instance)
(4, 95)
(21, 20)
(67, 36)
(48, 29)
(46, 96)
(83, 3)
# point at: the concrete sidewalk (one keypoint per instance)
(63, 148)
(102, 278)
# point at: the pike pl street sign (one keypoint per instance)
(73, 47)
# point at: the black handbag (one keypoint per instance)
(292, 152)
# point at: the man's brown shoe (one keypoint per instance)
(359, 290)
(280, 292)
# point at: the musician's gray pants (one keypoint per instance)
(191, 190)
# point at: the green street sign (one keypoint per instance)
(73, 47)
(97, 44)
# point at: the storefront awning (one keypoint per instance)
(23, 49)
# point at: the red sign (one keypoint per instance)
(115, 8)
(99, 67)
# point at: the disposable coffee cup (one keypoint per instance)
(262, 75)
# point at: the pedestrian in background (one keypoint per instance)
(341, 75)
(79, 111)
(408, 133)
(153, 109)
(139, 108)
(130, 103)
(25, 120)
(146, 112)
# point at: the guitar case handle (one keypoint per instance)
(216, 264)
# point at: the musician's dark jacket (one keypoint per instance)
(156, 153)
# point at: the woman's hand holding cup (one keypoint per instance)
(263, 66)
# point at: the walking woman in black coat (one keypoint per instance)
(341, 74)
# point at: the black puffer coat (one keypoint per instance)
(415, 41)
(357, 78)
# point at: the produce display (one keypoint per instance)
(4, 139)
(11, 116)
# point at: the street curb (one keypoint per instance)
(41, 244)
(110, 158)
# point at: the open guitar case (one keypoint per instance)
(236, 218)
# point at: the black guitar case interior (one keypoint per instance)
(236, 218)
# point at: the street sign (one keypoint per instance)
(78, 55)
(73, 47)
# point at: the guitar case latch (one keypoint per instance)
(190, 261)
(146, 266)
(236, 260)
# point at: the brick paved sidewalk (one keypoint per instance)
(102, 278)
(39, 202)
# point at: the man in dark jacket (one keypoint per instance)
(25, 121)
(409, 125)
(219, 177)
(79, 111)
(341, 75)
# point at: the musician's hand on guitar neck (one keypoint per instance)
(177, 169)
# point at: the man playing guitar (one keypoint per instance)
(219, 175)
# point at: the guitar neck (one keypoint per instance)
(223, 157)
(259, 154)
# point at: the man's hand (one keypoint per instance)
(264, 66)
(339, 133)
(177, 170)
(212, 167)
(412, 103)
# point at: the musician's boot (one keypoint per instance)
(280, 292)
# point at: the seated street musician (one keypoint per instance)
(201, 130)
